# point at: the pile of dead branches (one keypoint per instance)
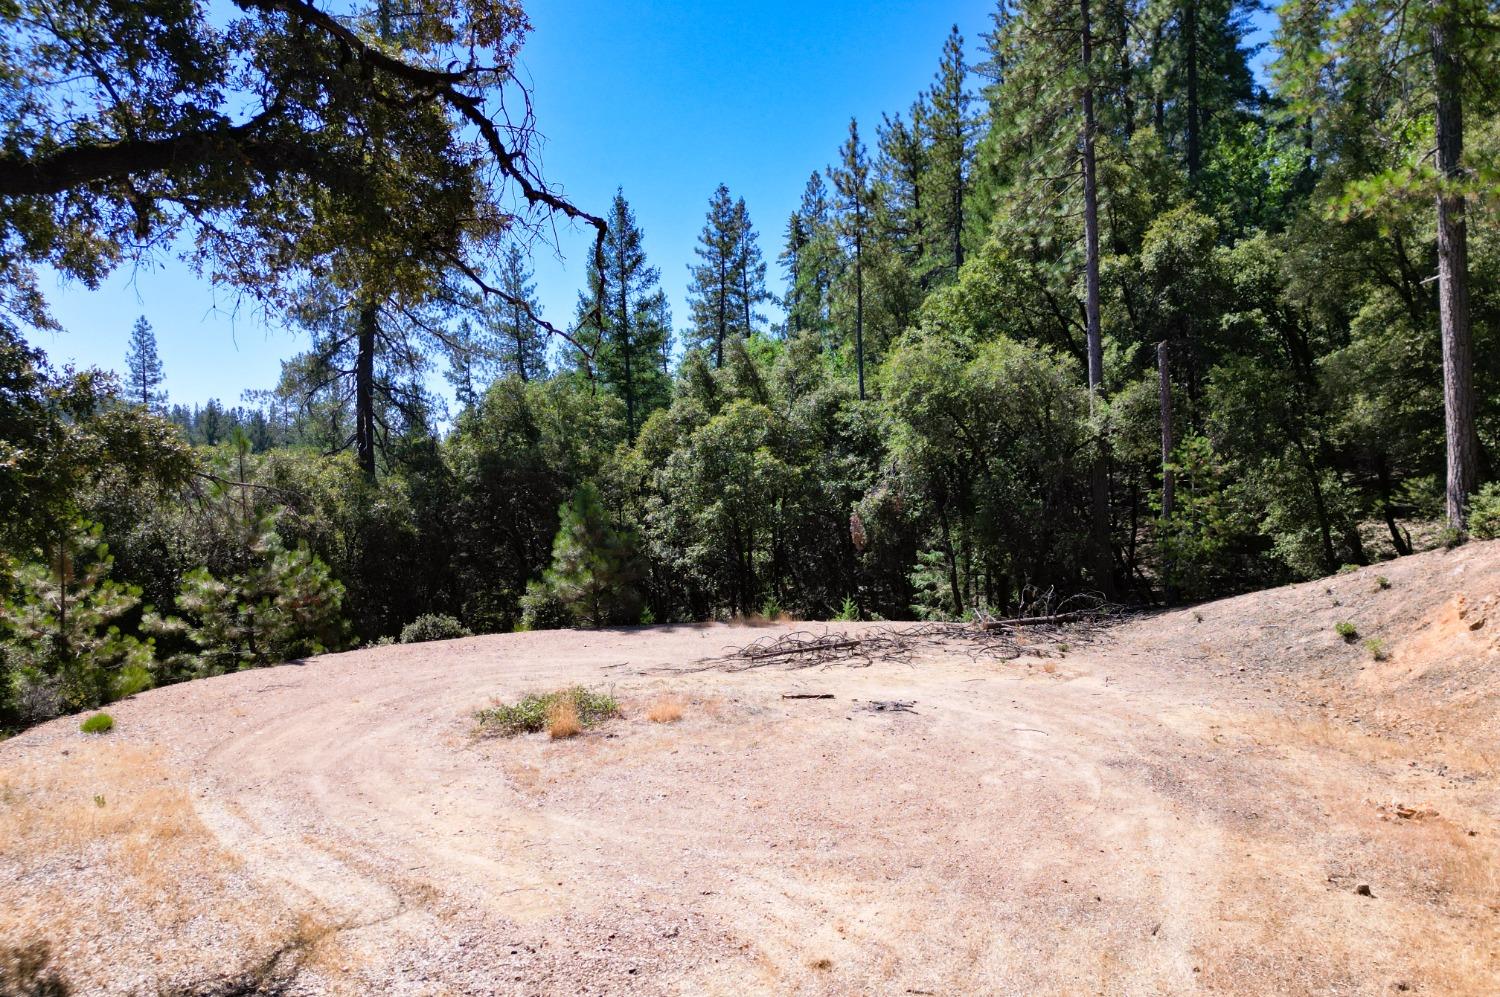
(1051, 628)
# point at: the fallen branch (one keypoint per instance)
(807, 695)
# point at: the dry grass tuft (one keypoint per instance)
(666, 710)
(562, 720)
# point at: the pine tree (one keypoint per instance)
(282, 604)
(713, 293)
(949, 128)
(1200, 72)
(855, 221)
(902, 164)
(64, 648)
(750, 269)
(628, 355)
(809, 260)
(594, 569)
(520, 343)
(144, 369)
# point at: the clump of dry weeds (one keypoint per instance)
(665, 710)
(563, 720)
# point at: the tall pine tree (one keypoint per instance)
(143, 368)
(855, 223)
(628, 351)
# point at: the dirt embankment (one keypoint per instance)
(1233, 798)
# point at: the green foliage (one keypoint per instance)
(280, 604)
(1377, 649)
(1382, 582)
(1348, 631)
(433, 626)
(1484, 513)
(99, 723)
(594, 568)
(529, 714)
(848, 612)
(63, 644)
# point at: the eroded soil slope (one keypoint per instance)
(1228, 799)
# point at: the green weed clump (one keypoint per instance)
(537, 711)
(1377, 649)
(1346, 630)
(97, 724)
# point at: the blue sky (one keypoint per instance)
(664, 99)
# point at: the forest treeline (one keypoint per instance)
(1103, 310)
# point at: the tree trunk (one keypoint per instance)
(1164, 391)
(521, 330)
(1194, 113)
(1453, 276)
(1400, 539)
(364, 390)
(1099, 480)
(625, 355)
(859, 308)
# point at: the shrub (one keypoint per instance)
(1346, 630)
(848, 612)
(1484, 512)
(541, 609)
(99, 723)
(433, 626)
(1382, 582)
(1377, 649)
(535, 712)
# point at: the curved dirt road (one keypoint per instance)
(1114, 819)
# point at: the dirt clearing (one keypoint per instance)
(1228, 799)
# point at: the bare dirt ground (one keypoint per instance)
(1228, 799)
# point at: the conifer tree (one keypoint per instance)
(519, 342)
(902, 164)
(1200, 72)
(64, 647)
(275, 604)
(595, 569)
(713, 292)
(809, 259)
(628, 354)
(143, 368)
(855, 222)
(949, 128)
(750, 269)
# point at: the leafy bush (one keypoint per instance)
(1383, 582)
(1346, 630)
(534, 712)
(541, 609)
(1484, 512)
(1377, 649)
(97, 724)
(848, 612)
(433, 626)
